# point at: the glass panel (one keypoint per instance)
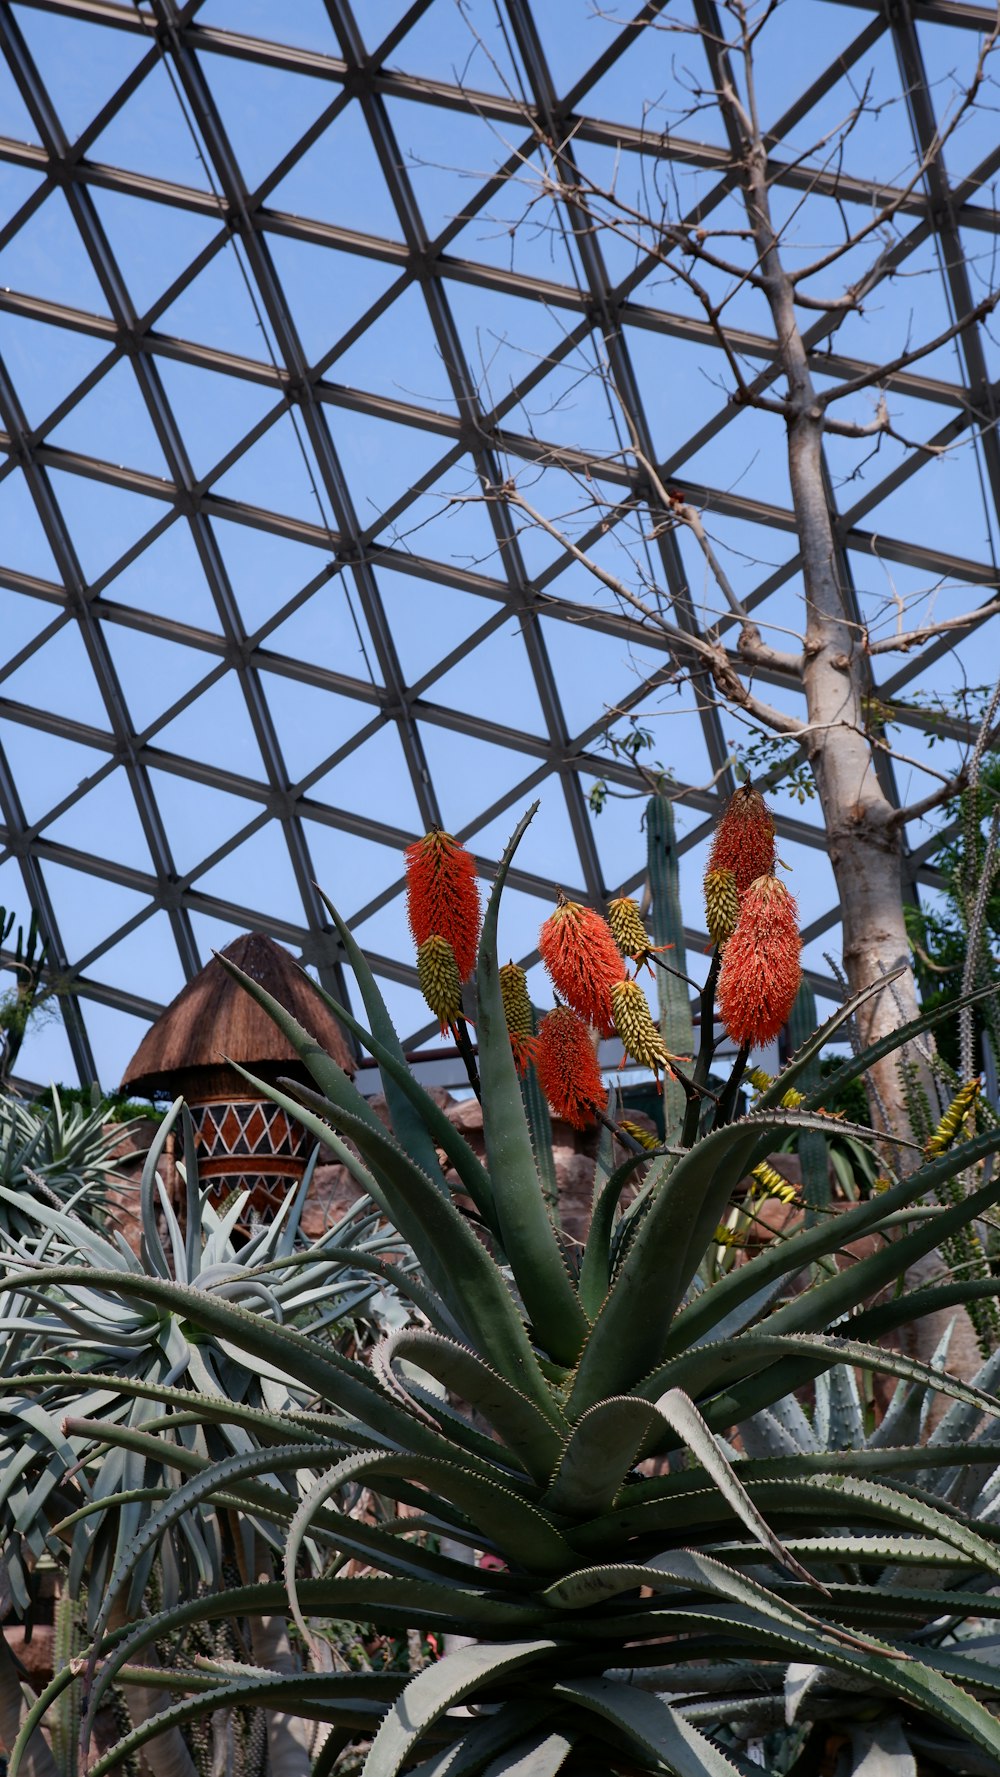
(374, 780)
(316, 186)
(197, 817)
(153, 243)
(154, 673)
(59, 677)
(88, 909)
(213, 411)
(168, 580)
(46, 257)
(105, 823)
(81, 63)
(399, 356)
(258, 875)
(266, 570)
(306, 25)
(115, 1037)
(427, 619)
(148, 953)
(470, 774)
(103, 521)
(496, 682)
(311, 723)
(219, 308)
(112, 422)
(326, 290)
(46, 363)
(24, 546)
(150, 134)
(468, 47)
(264, 110)
(217, 729)
(46, 768)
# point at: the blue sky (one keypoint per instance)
(363, 320)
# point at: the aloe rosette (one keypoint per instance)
(632, 1609)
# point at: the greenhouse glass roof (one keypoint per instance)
(282, 287)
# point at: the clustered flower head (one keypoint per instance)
(760, 971)
(568, 1069)
(768, 1182)
(722, 904)
(440, 983)
(957, 1113)
(518, 1014)
(744, 839)
(442, 896)
(627, 928)
(634, 1024)
(583, 961)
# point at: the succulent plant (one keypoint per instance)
(573, 1420)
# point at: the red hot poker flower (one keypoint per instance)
(568, 1069)
(744, 839)
(437, 976)
(760, 971)
(517, 1011)
(583, 960)
(442, 897)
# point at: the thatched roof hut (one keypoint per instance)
(244, 1142)
(213, 1018)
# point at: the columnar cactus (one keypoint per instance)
(667, 923)
(811, 1145)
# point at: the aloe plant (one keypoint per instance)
(85, 1455)
(575, 1423)
(58, 1152)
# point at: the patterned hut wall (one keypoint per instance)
(249, 1144)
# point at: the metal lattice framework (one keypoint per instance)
(365, 69)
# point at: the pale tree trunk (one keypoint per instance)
(865, 843)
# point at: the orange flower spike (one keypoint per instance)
(442, 896)
(583, 960)
(568, 1069)
(518, 1014)
(437, 975)
(744, 839)
(760, 971)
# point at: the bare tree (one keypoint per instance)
(832, 660)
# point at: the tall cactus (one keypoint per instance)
(667, 925)
(810, 1146)
(540, 1125)
(65, 1717)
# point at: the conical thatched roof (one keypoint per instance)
(213, 1019)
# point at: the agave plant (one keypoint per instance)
(85, 1455)
(56, 1153)
(574, 1422)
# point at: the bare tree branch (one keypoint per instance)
(884, 372)
(901, 644)
(717, 662)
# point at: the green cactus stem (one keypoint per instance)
(667, 924)
(810, 1145)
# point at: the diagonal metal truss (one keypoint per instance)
(601, 315)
